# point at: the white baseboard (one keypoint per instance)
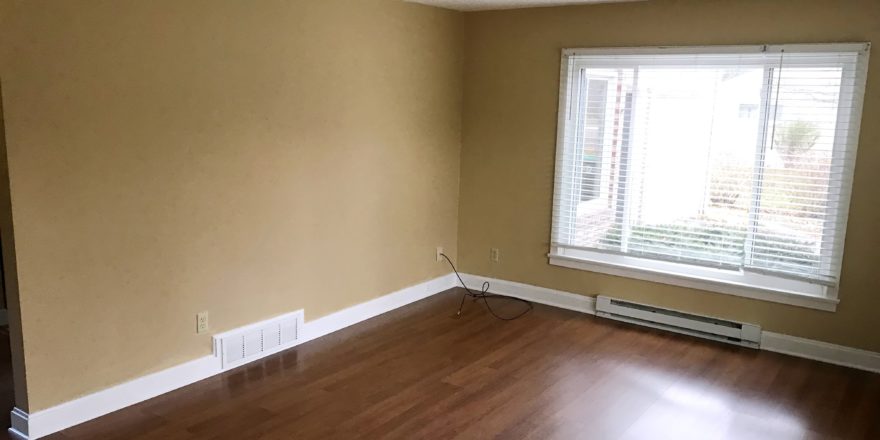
(540, 295)
(821, 351)
(775, 342)
(74, 412)
(65, 415)
(19, 424)
(363, 311)
(92, 406)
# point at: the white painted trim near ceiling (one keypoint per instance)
(92, 406)
(775, 342)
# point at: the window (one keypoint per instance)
(721, 168)
(748, 110)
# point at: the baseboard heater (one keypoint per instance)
(732, 332)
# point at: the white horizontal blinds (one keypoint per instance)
(736, 159)
(808, 164)
(655, 182)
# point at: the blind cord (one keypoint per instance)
(776, 105)
(484, 295)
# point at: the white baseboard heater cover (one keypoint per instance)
(732, 332)
(255, 341)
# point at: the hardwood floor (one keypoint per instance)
(418, 372)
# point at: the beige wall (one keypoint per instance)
(511, 95)
(243, 157)
(10, 277)
(254, 157)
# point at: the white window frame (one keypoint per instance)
(749, 284)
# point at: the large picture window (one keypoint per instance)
(722, 168)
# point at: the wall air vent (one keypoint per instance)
(747, 335)
(246, 344)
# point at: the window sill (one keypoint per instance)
(729, 288)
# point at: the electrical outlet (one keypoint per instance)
(439, 253)
(202, 322)
(495, 255)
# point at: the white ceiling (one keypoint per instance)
(482, 5)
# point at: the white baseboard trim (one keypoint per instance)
(775, 342)
(19, 424)
(92, 406)
(65, 415)
(821, 351)
(540, 295)
(363, 311)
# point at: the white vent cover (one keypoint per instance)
(242, 345)
(732, 332)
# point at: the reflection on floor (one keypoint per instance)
(418, 372)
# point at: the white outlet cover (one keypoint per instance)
(202, 322)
